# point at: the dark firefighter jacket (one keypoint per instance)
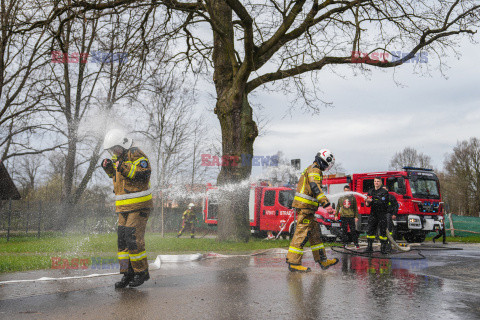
(379, 205)
(392, 205)
(309, 193)
(131, 181)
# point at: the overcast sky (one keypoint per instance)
(374, 118)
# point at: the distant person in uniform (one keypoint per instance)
(392, 211)
(441, 233)
(348, 211)
(188, 221)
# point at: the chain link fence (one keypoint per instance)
(20, 218)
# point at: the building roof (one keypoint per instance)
(8, 190)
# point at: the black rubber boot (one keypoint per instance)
(384, 247)
(389, 247)
(369, 246)
(127, 277)
(139, 279)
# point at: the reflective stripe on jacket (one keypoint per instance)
(189, 216)
(309, 193)
(131, 181)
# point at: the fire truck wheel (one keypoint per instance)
(420, 238)
(409, 237)
(396, 235)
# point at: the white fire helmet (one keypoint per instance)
(191, 205)
(116, 137)
(325, 159)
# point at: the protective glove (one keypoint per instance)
(107, 163)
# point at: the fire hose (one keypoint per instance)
(395, 244)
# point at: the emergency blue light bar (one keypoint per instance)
(415, 168)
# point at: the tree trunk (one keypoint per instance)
(68, 180)
(238, 129)
(238, 135)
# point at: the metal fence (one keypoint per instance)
(20, 218)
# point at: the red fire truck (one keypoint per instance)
(270, 209)
(417, 191)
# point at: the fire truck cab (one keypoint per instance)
(269, 208)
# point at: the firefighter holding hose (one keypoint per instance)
(308, 197)
(392, 211)
(377, 200)
(130, 171)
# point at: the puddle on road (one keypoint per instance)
(357, 287)
(257, 286)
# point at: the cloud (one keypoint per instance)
(373, 119)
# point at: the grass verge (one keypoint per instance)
(30, 253)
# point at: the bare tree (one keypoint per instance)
(199, 143)
(168, 128)
(97, 65)
(461, 187)
(254, 44)
(27, 172)
(22, 59)
(258, 43)
(409, 157)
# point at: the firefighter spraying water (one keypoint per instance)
(308, 197)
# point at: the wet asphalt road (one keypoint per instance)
(445, 285)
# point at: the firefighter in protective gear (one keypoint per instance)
(377, 200)
(308, 197)
(392, 211)
(130, 171)
(188, 220)
(348, 211)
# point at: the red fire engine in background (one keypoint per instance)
(417, 191)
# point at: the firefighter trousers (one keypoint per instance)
(187, 226)
(346, 222)
(377, 221)
(307, 229)
(132, 256)
(390, 225)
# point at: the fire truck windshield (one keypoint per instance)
(285, 198)
(424, 188)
